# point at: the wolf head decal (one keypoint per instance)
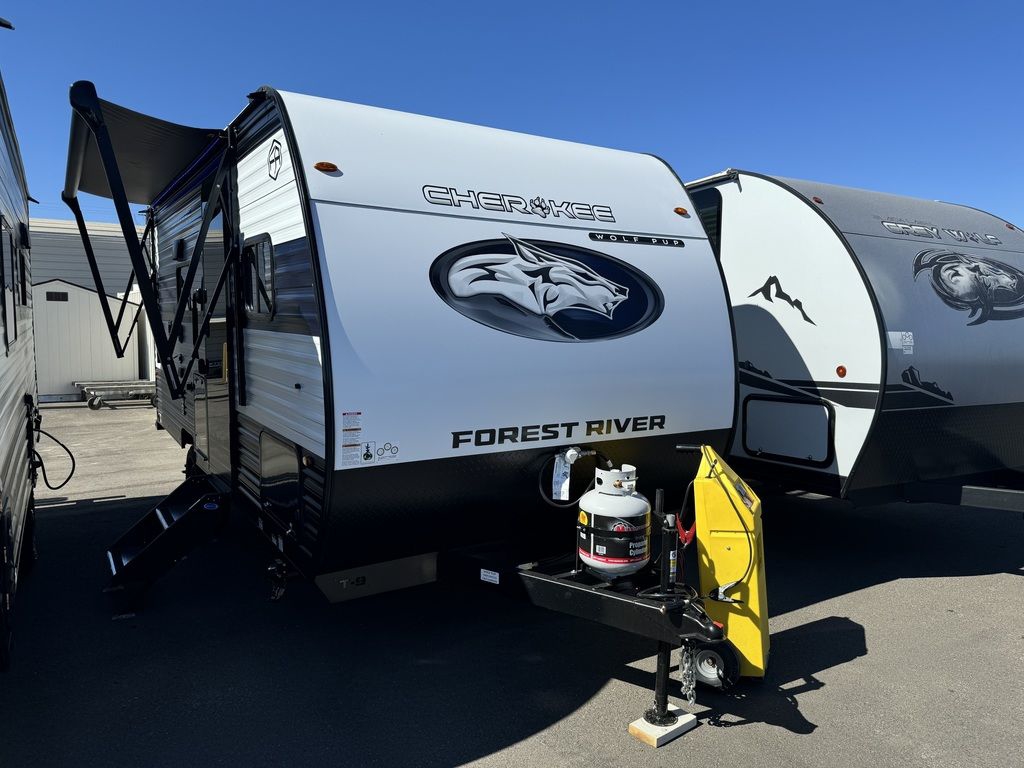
(546, 290)
(536, 281)
(985, 288)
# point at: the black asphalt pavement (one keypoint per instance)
(897, 640)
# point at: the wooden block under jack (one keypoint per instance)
(659, 735)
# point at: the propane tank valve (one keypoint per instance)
(563, 470)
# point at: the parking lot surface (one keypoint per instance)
(897, 640)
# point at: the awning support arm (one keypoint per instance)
(113, 326)
(86, 105)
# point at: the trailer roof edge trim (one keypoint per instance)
(12, 137)
(150, 152)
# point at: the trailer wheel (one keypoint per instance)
(95, 403)
(190, 462)
(717, 665)
(6, 586)
(5, 635)
(29, 551)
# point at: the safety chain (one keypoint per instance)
(688, 672)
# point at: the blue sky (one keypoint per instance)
(913, 98)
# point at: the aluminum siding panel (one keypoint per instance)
(179, 221)
(285, 386)
(17, 365)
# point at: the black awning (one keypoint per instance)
(150, 153)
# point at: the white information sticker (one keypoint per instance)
(354, 451)
(560, 478)
(902, 340)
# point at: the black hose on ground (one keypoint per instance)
(39, 461)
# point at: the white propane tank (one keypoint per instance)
(614, 524)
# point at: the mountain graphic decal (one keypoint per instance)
(766, 291)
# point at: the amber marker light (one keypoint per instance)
(682, 211)
(326, 167)
(841, 371)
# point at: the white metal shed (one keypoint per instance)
(72, 343)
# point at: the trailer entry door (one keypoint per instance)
(211, 375)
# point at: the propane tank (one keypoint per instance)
(614, 525)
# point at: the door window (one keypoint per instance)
(258, 275)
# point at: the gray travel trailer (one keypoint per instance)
(17, 376)
(879, 340)
(376, 330)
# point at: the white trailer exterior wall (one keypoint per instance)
(773, 243)
(387, 206)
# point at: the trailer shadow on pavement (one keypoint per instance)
(212, 672)
(818, 550)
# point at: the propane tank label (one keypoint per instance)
(614, 540)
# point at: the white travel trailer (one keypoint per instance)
(878, 337)
(17, 375)
(375, 330)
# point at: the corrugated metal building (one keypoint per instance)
(65, 356)
(57, 254)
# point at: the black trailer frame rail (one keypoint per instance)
(86, 104)
(667, 621)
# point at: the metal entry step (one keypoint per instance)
(191, 515)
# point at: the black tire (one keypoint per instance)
(29, 550)
(6, 586)
(95, 403)
(5, 636)
(190, 462)
(717, 665)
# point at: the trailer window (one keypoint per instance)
(8, 260)
(258, 275)
(26, 291)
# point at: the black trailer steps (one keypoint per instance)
(191, 515)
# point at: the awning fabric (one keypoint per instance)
(150, 152)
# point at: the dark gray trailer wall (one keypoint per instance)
(949, 282)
